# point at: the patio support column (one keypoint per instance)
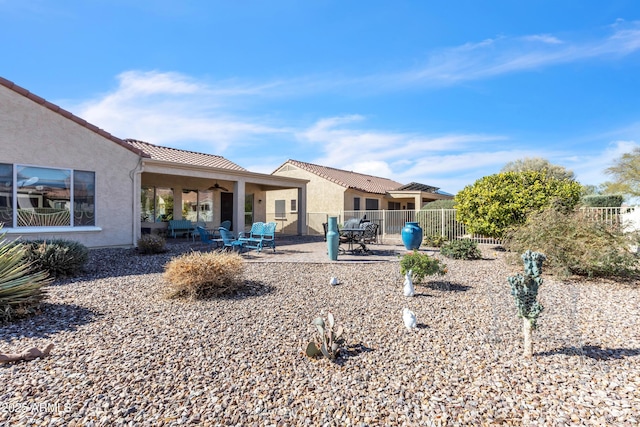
(302, 210)
(136, 182)
(238, 203)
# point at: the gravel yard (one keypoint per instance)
(124, 355)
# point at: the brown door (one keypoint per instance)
(226, 207)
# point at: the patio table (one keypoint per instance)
(354, 235)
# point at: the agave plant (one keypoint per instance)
(20, 288)
(328, 339)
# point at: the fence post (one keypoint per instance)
(384, 224)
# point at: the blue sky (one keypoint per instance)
(437, 92)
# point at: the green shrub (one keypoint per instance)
(20, 288)
(201, 275)
(151, 244)
(439, 204)
(422, 265)
(434, 241)
(575, 244)
(497, 202)
(60, 258)
(461, 249)
(603, 200)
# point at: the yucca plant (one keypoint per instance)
(20, 288)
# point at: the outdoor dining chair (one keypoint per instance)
(370, 234)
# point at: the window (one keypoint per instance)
(84, 198)
(411, 205)
(394, 206)
(32, 196)
(248, 210)
(197, 205)
(356, 203)
(6, 194)
(280, 209)
(294, 205)
(157, 204)
(371, 204)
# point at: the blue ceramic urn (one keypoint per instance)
(411, 235)
(333, 238)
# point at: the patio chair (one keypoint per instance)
(254, 234)
(269, 235)
(195, 230)
(229, 241)
(370, 234)
(351, 223)
(261, 235)
(206, 239)
(226, 224)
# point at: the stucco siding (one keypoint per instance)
(322, 195)
(32, 134)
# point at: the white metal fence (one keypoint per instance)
(437, 222)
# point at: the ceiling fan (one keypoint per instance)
(217, 187)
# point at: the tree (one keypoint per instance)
(539, 164)
(626, 175)
(497, 202)
(439, 204)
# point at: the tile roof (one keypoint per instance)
(175, 155)
(66, 114)
(348, 179)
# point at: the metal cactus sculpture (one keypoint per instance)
(525, 291)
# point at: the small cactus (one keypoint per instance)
(328, 339)
(525, 291)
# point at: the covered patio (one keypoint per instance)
(174, 184)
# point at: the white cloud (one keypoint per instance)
(591, 169)
(173, 109)
(543, 38)
(502, 55)
(404, 157)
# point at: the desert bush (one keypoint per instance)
(151, 244)
(461, 249)
(59, 257)
(422, 265)
(434, 241)
(574, 245)
(201, 275)
(20, 288)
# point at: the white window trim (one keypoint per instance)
(55, 229)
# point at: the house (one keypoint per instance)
(62, 177)
(336, 191)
